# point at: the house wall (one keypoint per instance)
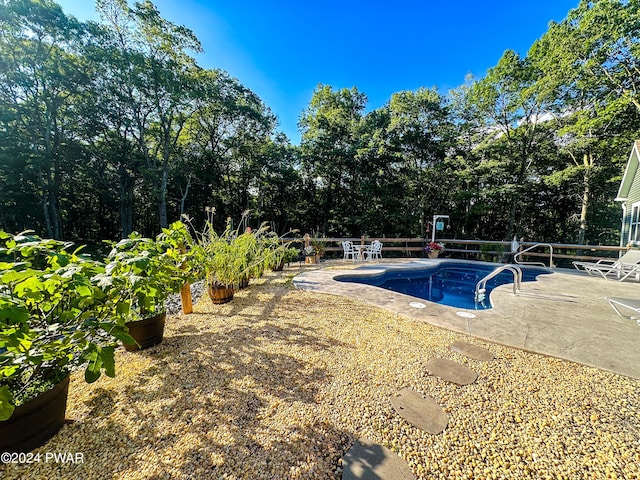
(632, 198)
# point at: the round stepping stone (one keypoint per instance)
(472, 351)
(451, 371)
(420, 410)
(367, 460)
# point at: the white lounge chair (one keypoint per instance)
(374, 251)
(349, 251)
(624, 267)
(626, 303)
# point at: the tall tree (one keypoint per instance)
(420, 134)
(508, 112)
(590, 72)
(329, 145)
(149, 56)
(40, 76)
(225, 140)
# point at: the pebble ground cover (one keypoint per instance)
(279, 384)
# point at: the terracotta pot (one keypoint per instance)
(220, 294)
(147, 332)
(434, 254)
(36, 421)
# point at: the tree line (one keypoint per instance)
(109, 127)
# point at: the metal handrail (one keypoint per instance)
(481, 286)
(551, 264)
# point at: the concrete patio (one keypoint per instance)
(563, 315)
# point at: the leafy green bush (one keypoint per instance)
(141, 272)
(53, 316)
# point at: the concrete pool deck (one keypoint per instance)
(563, 315)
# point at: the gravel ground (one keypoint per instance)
(279, 383)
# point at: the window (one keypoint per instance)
(634, 229)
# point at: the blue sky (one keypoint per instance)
(282, 49)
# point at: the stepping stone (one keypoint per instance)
(451, 371)
(366, 460)
(472, 351)
(420, 410)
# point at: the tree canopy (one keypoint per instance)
(111, 127)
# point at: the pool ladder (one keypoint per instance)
(481, 286)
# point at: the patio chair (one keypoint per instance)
(624, 267)
(374, 251)
(627, 303)
(349, 251)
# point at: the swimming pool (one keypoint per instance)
(449, 283)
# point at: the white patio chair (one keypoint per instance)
(623, 268)
(374, 251)
(349, 251)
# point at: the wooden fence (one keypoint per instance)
(487, 250)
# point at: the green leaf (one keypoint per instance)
(93, 370)
(84, 290)
(30, 287)
(108, 361)
(6, 403)
(14, 313)
(13, 276)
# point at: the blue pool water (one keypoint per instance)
(451, 284)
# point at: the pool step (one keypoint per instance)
(451, 371)
(366, 459)
(420, 410)
(474, 352)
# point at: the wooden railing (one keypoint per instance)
(488, 250)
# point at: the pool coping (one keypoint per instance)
(563, 315)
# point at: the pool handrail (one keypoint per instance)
(517, 279)
(551, 264)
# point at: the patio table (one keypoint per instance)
(361, 248)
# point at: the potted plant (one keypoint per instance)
(140, 274)
(220, 262)
(278, 252)
(284, 256)
(433, 249)
(314, 248)
(251, 246)
(319, 244)
(311, 255)
(54, 317)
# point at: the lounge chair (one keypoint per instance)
(624, 267)
(627, 303)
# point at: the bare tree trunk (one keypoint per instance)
(185, 193)
(50, 207)
(55, 214)
(126, 201)
(162, 197)
(586, 194)
(45, 212)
